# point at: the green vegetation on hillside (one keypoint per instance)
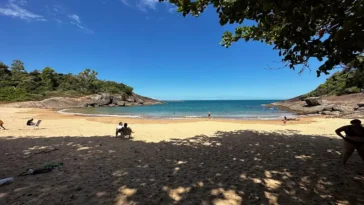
(340, 83)
(16, 84)
(327, 30)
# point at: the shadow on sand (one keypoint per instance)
(243, 167)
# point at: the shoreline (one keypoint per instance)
(258, 117)
(150, 130)
(55, 114)
(294, 118)
(275, 116)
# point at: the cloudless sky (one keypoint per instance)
(147, 45)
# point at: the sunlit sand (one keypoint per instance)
(196, 161)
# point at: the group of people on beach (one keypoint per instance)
(353, 138)
(123, 130)
(29, 123)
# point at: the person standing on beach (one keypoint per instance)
(354, 139)
(2, 124)
(284, 120)
(209, 114)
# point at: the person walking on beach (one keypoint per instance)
(354, 139)
(2, 124)
(209, 114)
(284, 120)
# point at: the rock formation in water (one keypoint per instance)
(345, 106)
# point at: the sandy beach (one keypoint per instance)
(194, 161)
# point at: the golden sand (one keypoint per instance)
(196, 161)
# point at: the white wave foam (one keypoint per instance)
(234, 117)
(96, 115)
(192, 116)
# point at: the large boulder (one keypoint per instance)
(311, 110)
(331, 113)
(94, 100)
(130, 104)
(343, 108)
(313, 101)
(101, 99)
(114, 100)
(326, 112)
(119, 103)
(118, 97)
(130, 98)
(360, 109)
(139, 101)
(329, 108)
(118, 100)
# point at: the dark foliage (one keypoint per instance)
(340, 83)
(329, 31)
(17, 84)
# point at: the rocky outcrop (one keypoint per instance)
(96, 100)
(120, 100)
(313, 101)
(335, 113)
(346, 106)
(358, 114)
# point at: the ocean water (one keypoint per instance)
(234, 109)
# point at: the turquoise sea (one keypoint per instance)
(234, 109)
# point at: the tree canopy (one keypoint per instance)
(340, 83)
(331, 31)
(17, 84)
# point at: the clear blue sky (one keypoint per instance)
(146, 45)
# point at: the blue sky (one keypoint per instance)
(147, 45)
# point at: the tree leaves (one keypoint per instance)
(330, 30)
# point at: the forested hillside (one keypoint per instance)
(16, 84)
(341, 83)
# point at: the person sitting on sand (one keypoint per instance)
(119, 129)
(354, 139)
(30, 122)
(127, 130)
(2, 124)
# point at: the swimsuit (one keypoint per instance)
(351, 132)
